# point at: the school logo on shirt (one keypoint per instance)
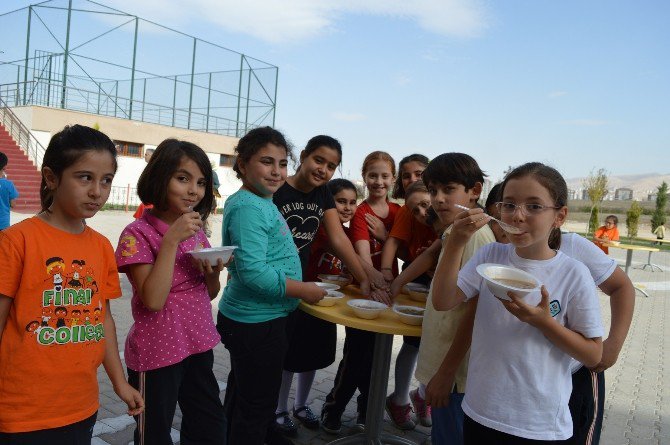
(554, 308)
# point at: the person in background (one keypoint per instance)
(8, 193)
(606, 233)
(140, 209)
(659, 231)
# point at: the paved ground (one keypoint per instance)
(637, 406)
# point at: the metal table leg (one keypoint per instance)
(651, 265)
(381, 363)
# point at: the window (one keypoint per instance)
(227, 160)
(130, 149)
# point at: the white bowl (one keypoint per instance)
(330, 299)
(326, 286)
(213, 254)
(367, 309)
(417, 291)
(409, 314)
(516, 280)
(414, 286)
(340, 280)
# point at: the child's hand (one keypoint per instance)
(376, 227)
(382, 296)
(312, 293)
(388, 275)
(131, 397)
(184, 227)
(533, 315)
(208, 269)
(377, 280)
(466, 224)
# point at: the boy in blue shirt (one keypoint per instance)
(8, 193)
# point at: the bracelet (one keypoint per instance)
(386, 268)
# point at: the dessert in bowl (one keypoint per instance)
(340, 280)
(367, 309)
(417, 291)
(330, 299)
(410, 314)
(501, 279)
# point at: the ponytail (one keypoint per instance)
(555, 238)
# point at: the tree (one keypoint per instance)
(596, 189)
(633, 219)
(658, 217)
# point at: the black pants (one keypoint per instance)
(257, 353)
(478, 434)
(353, 372)
(587, 405)
(78, 433)
(192, 384)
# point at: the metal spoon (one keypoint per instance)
(506, 227)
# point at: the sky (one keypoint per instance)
(579, 85)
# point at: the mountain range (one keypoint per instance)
(642, 185)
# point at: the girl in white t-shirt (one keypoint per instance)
(519, 375)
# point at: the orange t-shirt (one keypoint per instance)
(54, 340)
(603, 232)
(411, 232)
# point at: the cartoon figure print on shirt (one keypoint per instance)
(67, 305)
(303, 219)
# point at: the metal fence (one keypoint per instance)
(125, 198)
(84, 56)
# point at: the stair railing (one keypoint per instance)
(21, 134)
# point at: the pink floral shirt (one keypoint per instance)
(185, 325)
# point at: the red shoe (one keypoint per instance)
(421, 408)
(400, 414)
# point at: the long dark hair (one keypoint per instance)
(550, 179)
(398, 189)
(65, 148)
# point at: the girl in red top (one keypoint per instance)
(356, 365)
(378, 175)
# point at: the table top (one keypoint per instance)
(387, 322)
(632, 247)
(656, 240)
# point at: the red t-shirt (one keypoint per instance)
(322, 261)
(415, 235)
(359, 231)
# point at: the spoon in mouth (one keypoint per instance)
(506, 227)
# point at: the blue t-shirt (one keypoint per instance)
(7, 193)
(266, 256)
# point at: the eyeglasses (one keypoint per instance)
(508, 208)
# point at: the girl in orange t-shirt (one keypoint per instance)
(608, 232)
(54, 267)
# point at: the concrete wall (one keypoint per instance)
(44, 122)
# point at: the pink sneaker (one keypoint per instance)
(400, 414)
(422, 410)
